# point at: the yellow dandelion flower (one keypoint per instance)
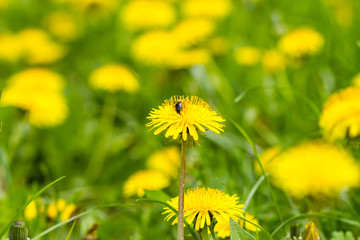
(218, 46)
(166, 161)
(139, 14)
(10, 48)
(247, 56)
(340, 115)
(114, 77)
(39, 48)
(184, 115)
(37, 91)
(60, 204)
(192, 31)
(188, 58)
(273, 61)
(202, 205)
(356, 80)
(31, 210)
(155, 48)
(52, 211)
(222, 228)
(145, 180)
(203, 8)
(63, 25)
(267, 158)
(67, 212)
(301, 42)
(315, 169)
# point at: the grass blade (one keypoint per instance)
(71, 230)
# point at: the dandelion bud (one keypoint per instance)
(311, 233)
(18, 231)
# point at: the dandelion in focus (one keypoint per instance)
(39, 92)
(63, 25)
(166, 161)
(214, 9)
(139, 14)
(315, 169)
(145, 180)
(273, 61)
(247, 56)
(339, 117)
(202, 206)
(301, 42)
(114, 77)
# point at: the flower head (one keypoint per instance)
(267, 158)
(114, 77)
(247, 56)
(301, 42)
(139, 14)
(202, 205)
(145, 180)
(63, 25)
(315, 169)
(60, 208)
(188, 58)
(340, 115)
(181, 116)
(10, 47)
(273, 61)
(166, 161)
(214, 9)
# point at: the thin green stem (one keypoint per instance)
(182, 191)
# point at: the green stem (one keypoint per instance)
(182, 191)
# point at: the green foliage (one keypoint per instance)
(343, 236)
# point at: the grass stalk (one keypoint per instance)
(181, 191)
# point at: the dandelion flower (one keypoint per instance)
(60, 207)
(315, 169)
(114, 77)
(184, 115)
(273, 61)
(340, 115)
(63, 25)
(37, 91)
(192, 31)
(166, 161)
(155, 48)
(147, 14)
(39, 48)
(52, 211)
(301, 42)
(10, 48)
(247, 56)
(67, 212)
(222, 228)
(267, 158)
(189, 58)
(145, 180)
(214, 9)
(31, 210)
(204, 205)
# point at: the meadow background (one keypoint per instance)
(97, 136)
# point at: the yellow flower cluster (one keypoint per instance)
(39, 92)
(162, 167)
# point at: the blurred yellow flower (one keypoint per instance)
(145, 180)
(222, 228)
(155, 48)
(63, 25)
(188, 58)
(356, 80)
(202, 205)
(39, 48)
(52, 211)
(247, 56)
(218, 45)
(166, 161)
(192, 31)
(114, 77)
(267, 158)
(146, 14)
(301, 42)
(273, 61)
(10, 47)
(94, 6)
(181, 116)
(204, 8)
(31, 210)
(60, 207)
(37, 91)
(315, 169)
(67, 212)
(339, 117)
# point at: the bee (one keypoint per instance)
(179, 106)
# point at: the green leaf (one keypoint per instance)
(238, 233)
(342, 236)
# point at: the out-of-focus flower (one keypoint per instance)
(114, 77)
(188, 58)
(315, 169)
(267, 158)
(218, 45)
(214, 9)
(10, 47)
(63, 25)
(155, 48)
(201, 205)
(37, 91)
(180, 116)
(247, 56)
(166, 161)
(273, 61)
(147, 14)
(339, 118)
(301, 42)
(33, 209)
(39, 48)
(60, 208)
(356, 80)
(192, 31)
(94, 6)
(222, 228)
(145, 180)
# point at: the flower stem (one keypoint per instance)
(181, 191)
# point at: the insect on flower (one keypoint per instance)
(179, 106)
